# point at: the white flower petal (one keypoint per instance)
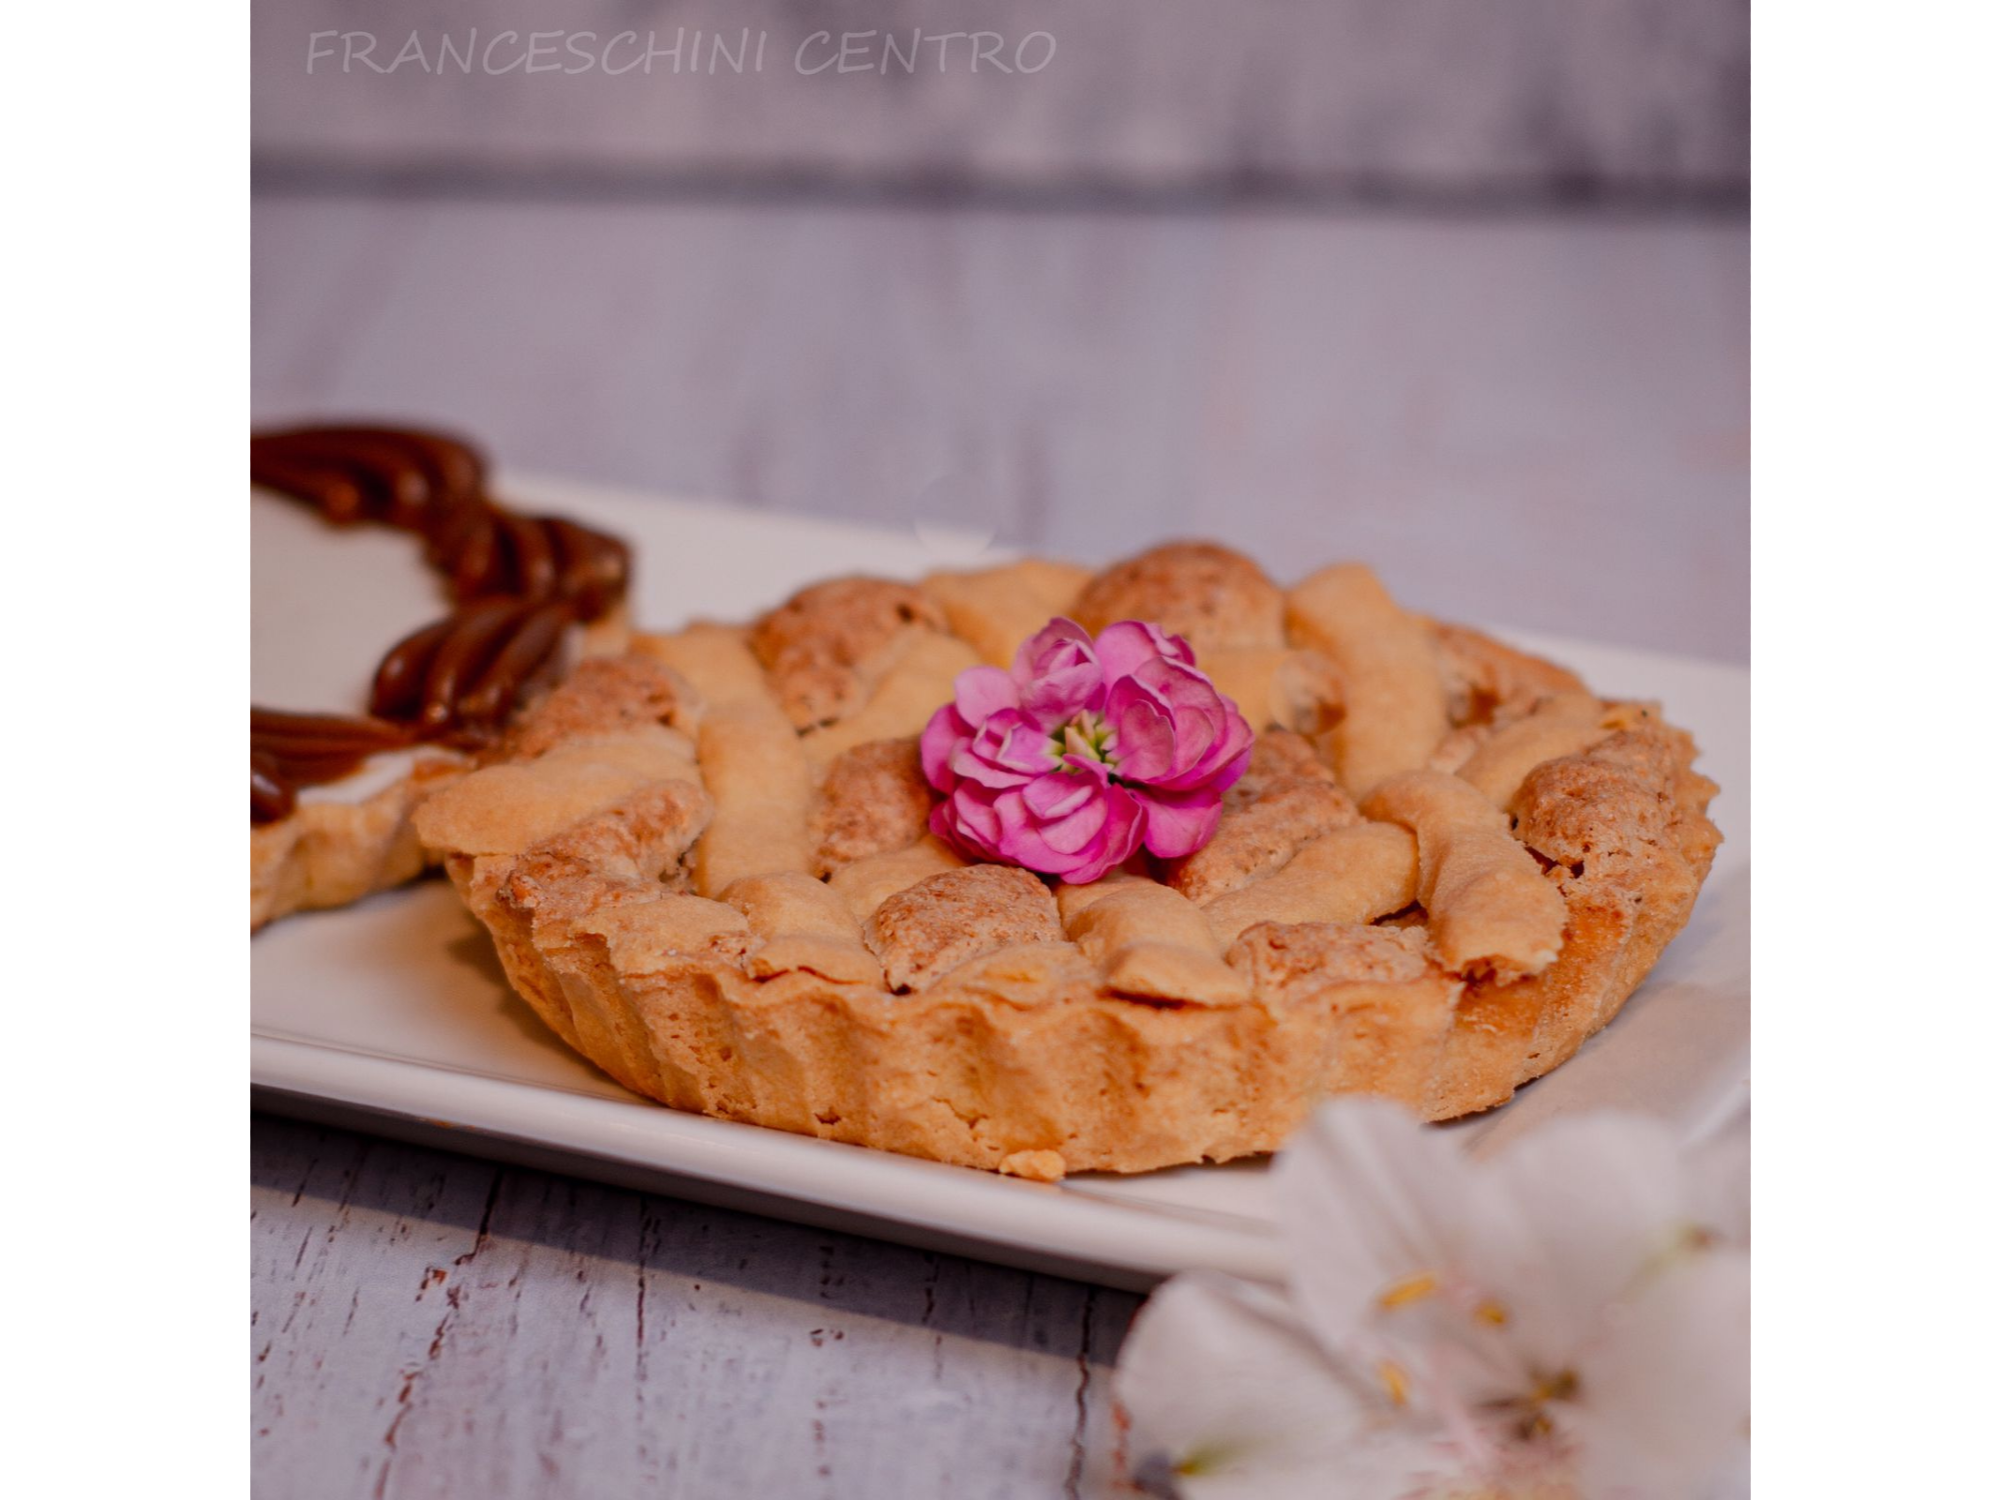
(1369, 1199)
(1583, 1278)
(1664, 1399)
(1220, 1376)
(1585, 1207)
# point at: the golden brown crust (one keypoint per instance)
(901, 701)
(966, 1013)
(1482, 674)
(1216, 598)
(996, 609)
(1490, 910)
(827, 645)
(946, 920)
(874, 799)
(1149, 941)
(1285, 800)
(603, 695)
(1393, 694)
(330, 853)
(1391, 1003)
(1278, 686)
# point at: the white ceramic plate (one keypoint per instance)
(393, 1015)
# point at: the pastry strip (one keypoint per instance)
(1277, 686)
(903, 701)
(996, 609)
(947, 920)
(750, 758)
(1266, 819)
(504, 809)
(1388, 669)
(803, 925)
(1149, 940)
(1353, 874)
(757, 775)
(1490, 908)
(869, 881)
(715, 659)
(1566, 724)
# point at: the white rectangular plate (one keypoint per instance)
(393, 1014)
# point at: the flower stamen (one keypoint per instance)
(1088, 735)
(1409, 1289)
(1395, 1381)
(1560, 1386)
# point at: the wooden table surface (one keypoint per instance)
(1534, 421)
(429, 1325)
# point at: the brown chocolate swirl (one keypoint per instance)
(289, 751)
(435, 486)
(518, 581)
(467, 671)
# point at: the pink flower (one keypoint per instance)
(1087, 750)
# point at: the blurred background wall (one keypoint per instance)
(1480, 100)
(1467, 291)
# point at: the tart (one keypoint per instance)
(331, 795)
(709, 866)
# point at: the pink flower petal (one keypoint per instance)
(1145, 744)
(1050, 638)
(973, 813)
(1058, 794)
(943, 736)
(1118, 838)
(1128, 645)
(1025, 747)
(1078, 833)
(1057, 673)
(1007, 751)
(1179, 823)
(1014, 794)
(981, 692)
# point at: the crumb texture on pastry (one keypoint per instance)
(944, 920)
(1215, 598)
(873, 799)
(827, 645)
(1285, 800)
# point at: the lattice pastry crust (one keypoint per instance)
(706, 866)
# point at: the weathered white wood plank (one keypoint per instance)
(426, 1325)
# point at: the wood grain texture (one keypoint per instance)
(1540, 422)
(427, 1325)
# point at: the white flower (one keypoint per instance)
(1570, 1319)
